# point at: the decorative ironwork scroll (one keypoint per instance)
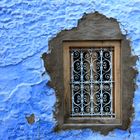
(92, 82)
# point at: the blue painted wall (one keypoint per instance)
(25, 28)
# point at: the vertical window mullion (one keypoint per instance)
(82, 103)
(91, 84)
(101, 80)
(72, 82)
(111, 85)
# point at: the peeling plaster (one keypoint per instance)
(93, 26)
(30, 119)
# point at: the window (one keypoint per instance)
(91, 70)
(92, 82)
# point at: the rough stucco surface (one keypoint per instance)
(25, 28)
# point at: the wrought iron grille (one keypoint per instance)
(92, 82)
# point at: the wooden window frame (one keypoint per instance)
(72, 122)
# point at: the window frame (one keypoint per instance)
(90, 121)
